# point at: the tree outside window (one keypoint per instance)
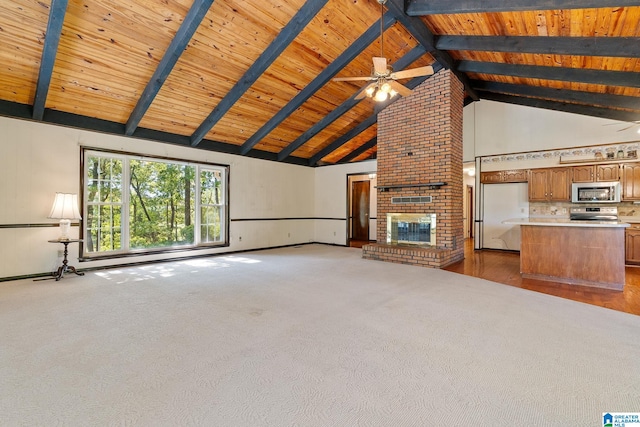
(135, 204)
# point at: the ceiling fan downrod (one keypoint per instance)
(382, 3)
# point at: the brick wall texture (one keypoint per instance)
(420, 142)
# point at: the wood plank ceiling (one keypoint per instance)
(254, 77)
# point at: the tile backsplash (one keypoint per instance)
(628, 210)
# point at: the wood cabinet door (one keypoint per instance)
(516, 175)
(538, 183)
(607, 172)
(559, 184)
(491, 177)
(631, 181)
(632, 244)
(583, 173)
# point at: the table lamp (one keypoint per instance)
(65, 208)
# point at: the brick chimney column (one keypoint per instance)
(420, 142)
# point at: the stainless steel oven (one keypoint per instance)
(594, 213)
(595, 192)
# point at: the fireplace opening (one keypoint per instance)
(411, 229)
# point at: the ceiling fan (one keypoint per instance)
(384, 85)
(631, 125)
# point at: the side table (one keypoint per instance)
(65, 264)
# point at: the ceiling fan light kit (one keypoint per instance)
(383, 78)
(380, 91)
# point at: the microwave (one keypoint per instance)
(595, 192)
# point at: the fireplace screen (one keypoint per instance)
(411, 229)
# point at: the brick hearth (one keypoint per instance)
(420, 142)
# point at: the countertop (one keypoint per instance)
(565, 222)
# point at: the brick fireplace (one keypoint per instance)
(420, 172)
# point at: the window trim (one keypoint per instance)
(86, 150)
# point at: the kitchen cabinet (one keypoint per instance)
(496, 177)
(491, 177)
(591, 173)
(632, 244)
(583, 173)
(608, 172)
(550, 185)
(516, 175)
(631, 181)
(587, 255)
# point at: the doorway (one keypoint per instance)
(360, 202)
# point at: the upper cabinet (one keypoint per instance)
(608, 172)
(496, 177)
(554, 184)
(584, 173)
(516, 175)
(491, 177)
(591, 173)
(631, 181)
(550, 185)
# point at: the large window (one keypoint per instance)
(137, 204)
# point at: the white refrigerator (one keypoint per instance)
(501, 202)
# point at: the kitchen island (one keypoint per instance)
(588, 253)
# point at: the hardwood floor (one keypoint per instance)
(504, 267)
(358, 243)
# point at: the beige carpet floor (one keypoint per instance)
(307, 336)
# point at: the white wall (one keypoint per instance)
(331, 200)
(37, 160)
(469, 132)
(500, 128)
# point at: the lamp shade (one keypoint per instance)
(65, 206)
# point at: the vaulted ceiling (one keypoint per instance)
(254, 77)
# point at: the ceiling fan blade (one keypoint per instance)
(629, 127)
(413, 72)
(380, 65)
(399, 88)
(363, 91)
(353, 79)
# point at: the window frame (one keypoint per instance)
(125, 250)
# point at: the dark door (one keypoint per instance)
(360, 210)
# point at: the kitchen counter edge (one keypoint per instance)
(564, 222)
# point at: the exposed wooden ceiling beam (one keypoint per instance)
(400, 64)
(178, 44)
(355, 153)
(436, 7)
(626, 47)
(343, 139)
(599, 77)
(321, 79)
(561, 95)
(57, 10)
(290, 31)
(425, 37)
(604, 113)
